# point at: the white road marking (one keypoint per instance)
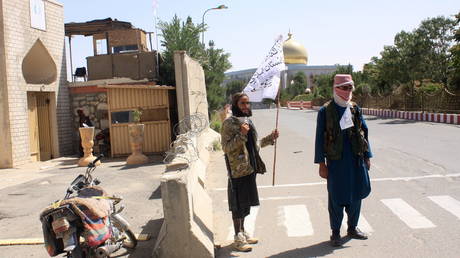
(249, 223)
(408, 214)
(282, 198)
(448, 203)
(296, 219)
(406, 179)
(363, 224)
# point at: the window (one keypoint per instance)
(122, 117)
(37, 14)
(148, 115)
(101, 47)
(125, 49)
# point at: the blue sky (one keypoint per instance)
(333, 32)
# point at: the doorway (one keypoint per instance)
(38, 104)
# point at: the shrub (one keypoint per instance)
(304, 97)
(215, 123)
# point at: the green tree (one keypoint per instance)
(299, 84)
(323, 86)
(216, 64)
(285, 96)
(178, 35)
(214, 68)
(454, 66)
(215, 96)
(382, 74)
(438, 34)
(416, 56)
(234, 87)
(323, 82)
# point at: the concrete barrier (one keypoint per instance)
(187, 229)
(299, 105)
(415, 115)
(408, 115)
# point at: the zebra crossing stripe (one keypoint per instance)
(296, 220)
(448, 203)
(363, 224)
(408, 214)
(249, 223)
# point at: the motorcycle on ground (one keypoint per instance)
(86, 223)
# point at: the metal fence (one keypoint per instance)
(441, 102)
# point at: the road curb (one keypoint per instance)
(39, 241)
(410, 115)
(415, 115)
(22, 241)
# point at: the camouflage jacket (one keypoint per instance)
(234, 146)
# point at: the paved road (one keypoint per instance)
(22, 202)
(413, 210)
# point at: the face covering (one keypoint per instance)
(343, 94)
(342, 97)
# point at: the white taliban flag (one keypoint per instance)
(264, 84)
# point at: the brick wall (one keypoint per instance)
(5, 141)
(19, 37)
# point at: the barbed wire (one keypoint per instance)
(450, 93)
(192, 125)
(184, 148)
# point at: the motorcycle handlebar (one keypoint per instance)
(93, 164)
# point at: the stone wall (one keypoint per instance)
(94, 105)
(17, 40)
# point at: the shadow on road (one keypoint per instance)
(153, 161)
(144, 248)
(373, 118)
(156, 194)
(310, 111)
(226, 251)
(390, 120)
(399, 122)
(316, 250)
(68, 162)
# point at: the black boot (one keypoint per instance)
(355, 233)
(336, 241)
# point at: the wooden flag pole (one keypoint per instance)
(276, 128)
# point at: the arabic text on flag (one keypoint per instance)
(265, 81)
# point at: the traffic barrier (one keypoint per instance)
(187, 230)
(415, 115)
(408, 115)
(299, 105)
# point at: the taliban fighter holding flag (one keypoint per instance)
(239, 143)
(342, 151)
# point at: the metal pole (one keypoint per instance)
(150, 40)
(71, 61)
(202, 24)
(284, 73)
(158, 50)
(276, 140)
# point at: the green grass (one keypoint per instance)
(215, 122)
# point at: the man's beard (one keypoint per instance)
(238, 113)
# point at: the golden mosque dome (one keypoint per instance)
(294, 52)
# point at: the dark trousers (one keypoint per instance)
(336, 214)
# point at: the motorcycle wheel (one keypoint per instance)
(131, 241)
(76, 253)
